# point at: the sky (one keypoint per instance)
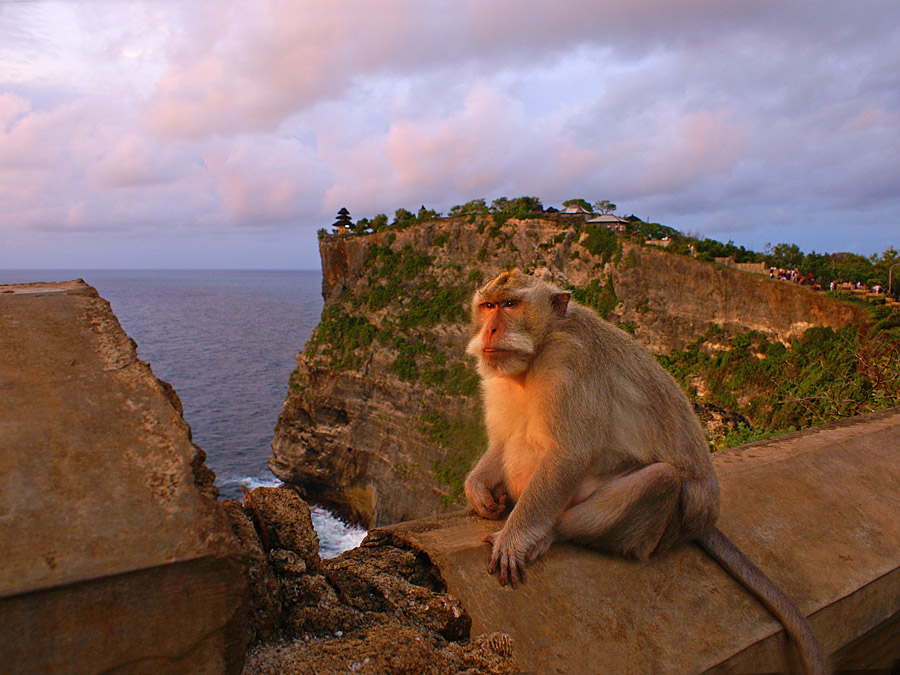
(224, 133)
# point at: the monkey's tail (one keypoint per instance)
(739, 566)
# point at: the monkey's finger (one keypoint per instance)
(495, 560)
(496, 512)
(516, 573)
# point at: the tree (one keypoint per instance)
(523, 206)
(788, 256)
(476, 207)
(403, 218)
(379, 223)
(519, 207)
(604, 206)
(425, 215)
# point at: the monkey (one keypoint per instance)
(590, 440)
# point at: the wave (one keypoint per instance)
(335, 535)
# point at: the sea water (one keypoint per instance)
(226, 341)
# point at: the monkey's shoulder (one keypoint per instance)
(583, 334)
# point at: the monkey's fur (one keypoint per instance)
(590, 440)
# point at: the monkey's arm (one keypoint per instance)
(528, 531)
(484, 486)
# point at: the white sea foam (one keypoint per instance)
(335, 536)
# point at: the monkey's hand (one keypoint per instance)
(490, 504)
(511, 554)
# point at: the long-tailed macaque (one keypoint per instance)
(591, 441)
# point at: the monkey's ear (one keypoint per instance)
(560, 302)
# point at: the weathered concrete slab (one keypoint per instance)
(112, 558)
(818, 511)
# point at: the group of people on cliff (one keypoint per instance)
(794, 276)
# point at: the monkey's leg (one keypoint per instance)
(628, 515)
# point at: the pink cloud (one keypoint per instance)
(265, 181)
(216, 116)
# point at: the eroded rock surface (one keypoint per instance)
(380, 608)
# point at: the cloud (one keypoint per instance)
(263, 181)
(228, 117)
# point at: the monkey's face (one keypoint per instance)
(501, 340)
(510, 318)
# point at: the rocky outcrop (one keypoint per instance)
(115, 555)
(377, 609)
(382, 418)
(672, 300)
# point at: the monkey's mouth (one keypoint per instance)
(492, 352)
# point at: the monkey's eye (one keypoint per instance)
(510, 303)
(489, 305)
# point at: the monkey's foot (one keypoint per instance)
(510, 556)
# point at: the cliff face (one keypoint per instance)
(382, 418)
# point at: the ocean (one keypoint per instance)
(226, 341)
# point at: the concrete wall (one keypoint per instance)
(114, 556)
(818, 511)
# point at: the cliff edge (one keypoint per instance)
(382, 418)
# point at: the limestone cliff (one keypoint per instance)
(382, 416)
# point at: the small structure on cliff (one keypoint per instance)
(343, 221)
(575, 210)
(610, 221)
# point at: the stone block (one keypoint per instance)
(114, 556)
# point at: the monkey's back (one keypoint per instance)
(648, 416)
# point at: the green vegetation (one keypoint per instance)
(341, 336)
(743, 434)
(402, 302)
(604, 206)
(600, 297)
(464, 439)
(403, 219)
(602, 242)
(294, 383)
(476, 207)
(710, 249)
(520, 207)
(824, 375)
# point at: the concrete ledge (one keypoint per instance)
(113, 558)
(818, 511)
